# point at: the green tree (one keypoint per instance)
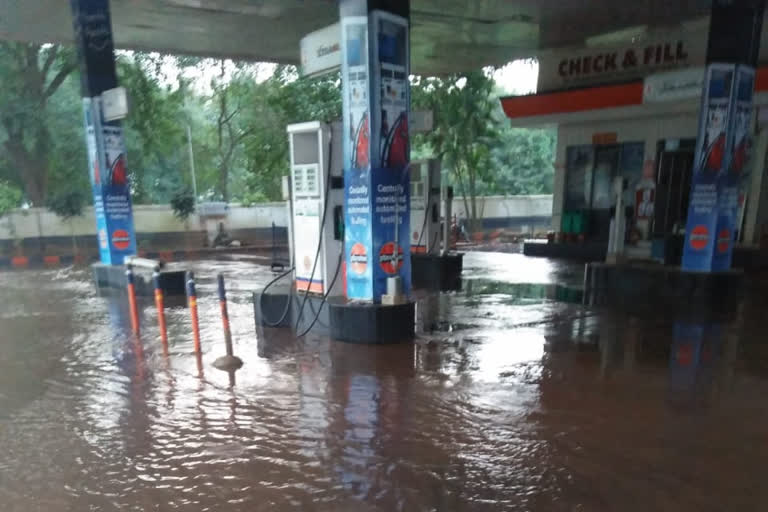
(228, 104)
(10, 198)
(282, 99)
(30, 75)
(466, 129)
(68, 204)
(523, 161)
(155, 129)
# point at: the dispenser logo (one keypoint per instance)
(358, 259)
(724, 240)
(699, 237)
(121, 239)
(390, 263)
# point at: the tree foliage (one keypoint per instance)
(10, 198)
(466, 129)
(183, 205)
(30, 75)
(481, 152)
(236, 116)
(67, 205)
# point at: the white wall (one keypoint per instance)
(647, 129)
(36, 222)
(509, 206)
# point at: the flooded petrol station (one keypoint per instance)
(637, 383)
(514, 396)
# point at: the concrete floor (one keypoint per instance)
(514, 397)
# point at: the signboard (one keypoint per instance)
(674, 85)
(358, 238)
(709, 164)
(604, 138)
(110, 185)
(738, 155)
(321, 51)
(114, 104)
(376, 153)
(563, 69)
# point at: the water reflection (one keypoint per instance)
(514, 397)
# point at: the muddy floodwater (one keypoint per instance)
(514, 397)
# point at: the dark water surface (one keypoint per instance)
(514, 397)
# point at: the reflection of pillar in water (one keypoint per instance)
(731, 341)
(693, 359)
(313, 403)
(361, 418)
(631, 342)
(370, 387)
(427, 312)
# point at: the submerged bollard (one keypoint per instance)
(134, 308)
(229, 361)
(160, 304)
(192, 303)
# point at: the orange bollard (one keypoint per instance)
(134, 308)
(192, 303)
(160, 304)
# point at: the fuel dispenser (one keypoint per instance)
(425, 206)
(316, 297)
(317, 207)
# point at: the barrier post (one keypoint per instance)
(225, 315)
(229, 362)
(160, 304)
(134, 308)
(192, 303)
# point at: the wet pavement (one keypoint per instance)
(514, 397)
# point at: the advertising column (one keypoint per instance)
(730, 180)
(723, 139)
(708, 167)
(375, 70)
(104, 140)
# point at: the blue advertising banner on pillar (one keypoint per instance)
(110, 185)
(92, 26)
(375, 71)
(738, 155)
(710, 161)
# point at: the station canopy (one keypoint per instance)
(447, 35)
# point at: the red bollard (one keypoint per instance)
(134, 308)
(160, 304)
(192, 303)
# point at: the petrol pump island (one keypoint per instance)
(328, 258)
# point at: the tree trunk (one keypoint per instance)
(224, 181)
(464, 195)
(32, 171)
